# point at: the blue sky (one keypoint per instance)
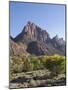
(49, 17)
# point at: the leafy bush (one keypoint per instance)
(56, 64)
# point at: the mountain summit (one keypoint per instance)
(32, 32)
(38, 41)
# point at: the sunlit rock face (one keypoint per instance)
(32, 32)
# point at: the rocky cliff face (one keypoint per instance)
(59, 43)
(32, 32)
(38, 41)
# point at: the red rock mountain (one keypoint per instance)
(35, 40)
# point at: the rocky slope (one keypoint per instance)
(17, 49)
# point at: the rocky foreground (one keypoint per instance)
(38, 78)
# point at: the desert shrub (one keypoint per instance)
(17, 68)
(43, 60)
(16, 65)
(27, 65)
(36, 63)
(56, 64)
(31, 63)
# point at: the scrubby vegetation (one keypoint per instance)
(54, 63)
(36, 67)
